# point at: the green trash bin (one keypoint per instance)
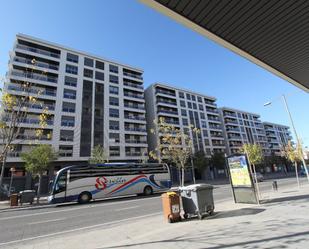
(197, 200)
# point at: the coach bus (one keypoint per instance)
(91, 182)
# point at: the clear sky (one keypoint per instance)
(131, 33)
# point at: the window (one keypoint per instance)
(183, 112)
(239, 115)
(194, 106)
(181, 95)
(72, 57)
(114, 137)
(193, 97)
(65, 150)
(189, 105)
(200, 107)
(113, 68)
(70, 81)
(88, 73)
(185, 122)
(113, 79)
(114, 151)
(88, 62)
(113, 101)
(204, 124)
(182, 103)
(66, 135)
(69, 94)
(67, 121)
(199, 99)
(99, 76)
(202, 115)
(205, 133)
(113, 90)
(114, 113)
(113, 125)
(188, 96)
(68, 107)
(241, 122)
(71, 69)
(99, 65)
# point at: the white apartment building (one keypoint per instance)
(183, 108)
(242, 127)
(91, 101)
(277, 136)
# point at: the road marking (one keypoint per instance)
(121, 209)
(73, 209)
(79, 229)
(45, 221)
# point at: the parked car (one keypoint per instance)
(259, 176)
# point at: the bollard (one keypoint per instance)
(275, 186)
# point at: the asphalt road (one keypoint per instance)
(24, 225)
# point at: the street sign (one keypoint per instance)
(241, 179)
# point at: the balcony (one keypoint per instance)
(213, 118)
(136, 76)
(37, 63)
(136, 153)
(65, 153)
(33, 137)
(232, 129)
(34, 76)
(208, 102)
(38, 51)
(135, 118)
(137, 96)
(14, 154)
(132, 141)
(212, 110)
(168, 112)
(29, 90)
(34, 121)
(67, 123)
(166, 92)
(40, 106)
(140, 107)
(231, 121)
(166, 102)
(231, 114)
(66, 138)
(216, 127)
(135, 129)
(133, 85)
(114, 153)
(234, 137)
(68, 109)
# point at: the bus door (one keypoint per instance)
(61, 185)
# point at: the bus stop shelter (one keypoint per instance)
(272, 34)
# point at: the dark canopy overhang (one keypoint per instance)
(271, 33)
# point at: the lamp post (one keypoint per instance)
(294, 129)
(12, 170)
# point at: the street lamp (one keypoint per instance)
(12, 170)
(294, 129)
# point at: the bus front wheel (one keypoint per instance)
(148, 190)
(84, 197)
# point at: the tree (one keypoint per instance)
(200, 161)
(13, 112)
(217, 160)
(294, 155)
(173, 144)
(98, 155)
(38, 160)
(254, 153)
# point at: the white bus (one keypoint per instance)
(91, 182)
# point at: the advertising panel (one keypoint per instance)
(239, 171)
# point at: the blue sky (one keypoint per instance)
(131, 33)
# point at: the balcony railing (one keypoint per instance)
(135, 129)
(40, 106)
(134, 96)
(229, 114)
(165, 92)
(213, 119)
(34, 121)
(132, 85)
(34, 76)
(167, 112)
(212, 110)
(140, 107)
(230, 121)
(136, 141)
(32, 137)
(14, 154)
(111, 153)
(135, 118)
(135, 154)
(136, 76)
(37, 50)
(65, 153)
(68, 109)
(166, 102)
(67, 123)
(34, 91)
(37, 63)
(66, 138)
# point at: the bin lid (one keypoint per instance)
(27, 191)
(195, 187)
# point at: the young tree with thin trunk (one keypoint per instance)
(13, 112)
(174, 145)
(294, 155)
(254, 153)
(98, 155)
(38, 160)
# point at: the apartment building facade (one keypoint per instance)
(242, 127)
(183, 108)
(91, 101)
(277, 136)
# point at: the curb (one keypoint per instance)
(21, 208)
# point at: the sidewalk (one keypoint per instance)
(282, 221)
(5, 205)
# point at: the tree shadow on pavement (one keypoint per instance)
(235, 213)
(284, 199)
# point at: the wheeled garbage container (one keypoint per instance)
(171, 206)
(27, 196)
(197, 199)
(13, 200)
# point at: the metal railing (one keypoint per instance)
(34, 76)
(132, 85)
(37, 63)
(136, 76)
(37, 50)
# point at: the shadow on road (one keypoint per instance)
(236, 213)
(284, 199)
